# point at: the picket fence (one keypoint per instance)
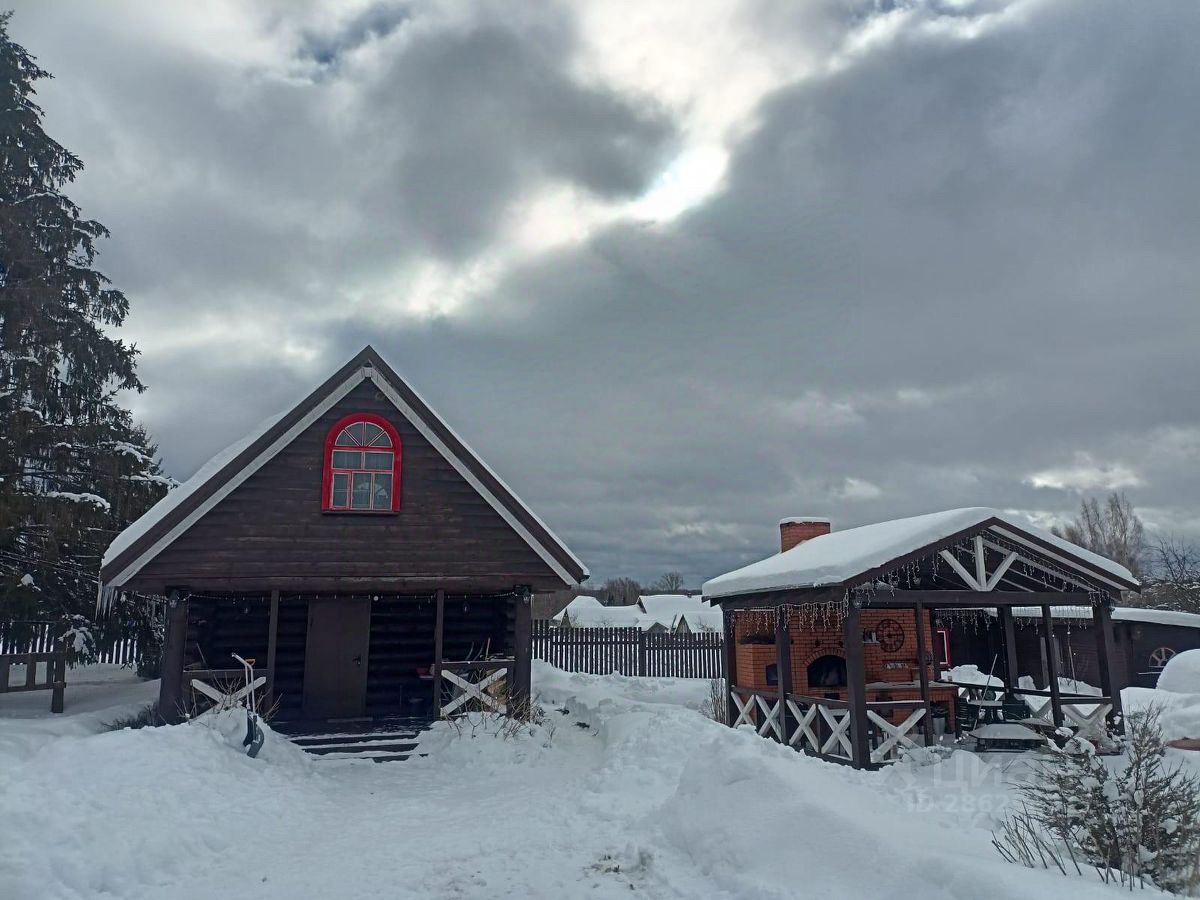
(630, 651)
(40, 637)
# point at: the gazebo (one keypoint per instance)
(830, 642)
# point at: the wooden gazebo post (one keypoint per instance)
(1052, 666)
(729, 623)
(856, 686)
(1008, 638)
(1106, 656)
(783, 668)
(923, 670)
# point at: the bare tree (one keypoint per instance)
(1174, 579)
(622, 591)
(1112, 530)
(668, 582)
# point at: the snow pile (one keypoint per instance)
(1181, 674)
(971, 674)
(624, 790)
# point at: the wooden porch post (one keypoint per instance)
(170, 690)
(783, 668)
(272, 642)
(729, 650)
(1008, 637)
(522, 677)
(923, 669)
(1110, 686)
(856, 687)
(438, 627)
(1052, 666)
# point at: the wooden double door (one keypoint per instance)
(335, 660)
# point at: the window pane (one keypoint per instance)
(341, 491)
(379, 461)
(376, 436)
(361, 495)
(347, 459)
(383, 492)
(355, 434)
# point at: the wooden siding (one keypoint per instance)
(270, 533)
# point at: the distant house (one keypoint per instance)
(588, 612)
(680, 613)
(674, 613)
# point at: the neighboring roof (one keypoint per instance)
(670, 608)
(1119, 614)
(588, 612)
(183, 506)
(843, 556)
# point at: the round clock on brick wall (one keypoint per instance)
(891, 635)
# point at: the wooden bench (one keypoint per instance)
(54, 677)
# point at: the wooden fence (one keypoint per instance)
(630, 651)
(40, 637)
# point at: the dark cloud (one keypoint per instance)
(954, 263)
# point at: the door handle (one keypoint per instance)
(358, 660)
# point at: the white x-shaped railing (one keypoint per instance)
(223, 699)
(1092, 724)
(770, 718)
(898, 738)
(474, 690)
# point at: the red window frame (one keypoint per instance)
(328, 468)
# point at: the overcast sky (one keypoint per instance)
(674, 269)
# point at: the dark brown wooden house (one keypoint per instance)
(358, 549)
(832, 646)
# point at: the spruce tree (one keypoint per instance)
(74, 468)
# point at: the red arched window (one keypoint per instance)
(362, 466)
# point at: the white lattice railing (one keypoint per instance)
(474, 686)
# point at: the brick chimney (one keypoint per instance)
(798, 529)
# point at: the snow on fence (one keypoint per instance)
(39, 637)
(630, 651)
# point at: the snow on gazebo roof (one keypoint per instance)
(841, 556)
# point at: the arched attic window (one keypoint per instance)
(362, 466)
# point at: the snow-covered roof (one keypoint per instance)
(840, 556)
(1119, 614)
(177, 495)
(174, 514)
(669, 609)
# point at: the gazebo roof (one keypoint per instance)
(846, 557)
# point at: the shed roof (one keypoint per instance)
(182, 507)
(843, 556)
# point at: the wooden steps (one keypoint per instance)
(387, 740)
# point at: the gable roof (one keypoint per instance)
(841, 557)
(216, 479)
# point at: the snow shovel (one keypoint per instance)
(255, 736)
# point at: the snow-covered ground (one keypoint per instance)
(625, 791)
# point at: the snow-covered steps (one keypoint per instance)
(386, 740)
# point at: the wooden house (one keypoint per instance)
(366, 558)
(832, 646)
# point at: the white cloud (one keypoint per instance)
(1086, 474)
(857, 489)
